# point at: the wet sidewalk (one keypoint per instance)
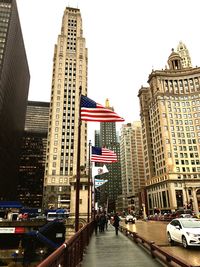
(108, 250)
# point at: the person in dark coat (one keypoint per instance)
(102, 222)
(116, 221)
(96, 223)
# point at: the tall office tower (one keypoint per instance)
(184, 54)
(14, 86)
(33, 154)
(69, 74)
(97, 138)
(171, 134)
(132, 164)
(108, 139)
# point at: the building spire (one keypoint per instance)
(184, 54)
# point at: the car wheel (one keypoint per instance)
(184, 242)
(170, 239)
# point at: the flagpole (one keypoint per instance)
(89, 183)
(92, 197)
(78, 166)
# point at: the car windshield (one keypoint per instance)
(191, 223)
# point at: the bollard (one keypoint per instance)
(152, 248)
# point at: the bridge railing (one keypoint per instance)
(70, 254)
(156, 251)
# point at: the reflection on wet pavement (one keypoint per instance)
(156, 231)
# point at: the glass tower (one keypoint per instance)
(33, 154)
(14, 86)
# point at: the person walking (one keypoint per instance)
(96, 223)
(106, 224)
(102, 222)
(116, 221)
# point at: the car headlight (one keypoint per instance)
(193, 235)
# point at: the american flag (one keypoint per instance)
(92, 111)
(103, 155)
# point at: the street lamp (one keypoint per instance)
(41, 254)
(15, 255)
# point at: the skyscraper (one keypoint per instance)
(184, 54)
(14, 86)
(132, 163)
(97, 138)
(171, 135)
(69, 75)
(33, 154)
(108, 139)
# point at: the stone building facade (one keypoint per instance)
(171, 134)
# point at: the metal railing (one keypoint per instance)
(156, 251)
(70, 254)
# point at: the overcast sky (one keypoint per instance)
(125, 40)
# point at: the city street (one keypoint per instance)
(156, 231)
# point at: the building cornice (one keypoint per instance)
(174, 73)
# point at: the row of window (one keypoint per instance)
(188, 169)
(179, 98)
(4, 14)
(187, 162)
(61, 180)
(181, 141)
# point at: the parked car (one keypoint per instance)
(130, 218)
(185, 215)
(185, 231)
(181, 212)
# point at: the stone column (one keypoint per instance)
(185, 196)
(195, 203)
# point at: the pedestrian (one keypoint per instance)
(96, 223)
(106, 224)
(116, 221)
(102, 222)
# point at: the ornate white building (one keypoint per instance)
(170, 116)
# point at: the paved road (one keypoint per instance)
(108, 250)
(156, 231)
